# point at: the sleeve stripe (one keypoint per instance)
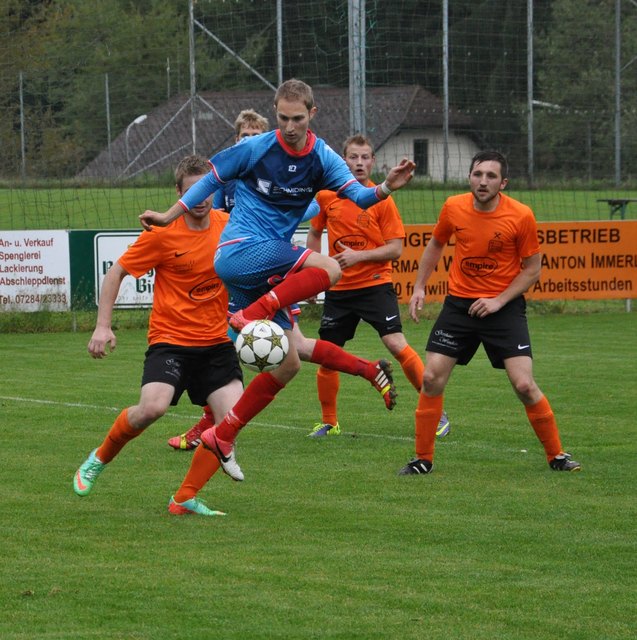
(214, 170)
(352, 181)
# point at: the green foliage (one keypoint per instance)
(577, 75)
(67, 49)
(323, 540)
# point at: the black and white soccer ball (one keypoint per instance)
(262, 345)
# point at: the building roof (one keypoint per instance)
(165, 136)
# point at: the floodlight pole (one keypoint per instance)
(357, 99)
(138, 120)
(107, 98)
(193, 85)
(445, 90)
(22, 142)
(279, 41)
(530, 172)
(618, 92)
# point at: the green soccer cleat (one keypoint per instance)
(86, 475)
(325, 429)
(194, 506)
(444, 426)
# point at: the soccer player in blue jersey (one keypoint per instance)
(278, 174)
(247, 124)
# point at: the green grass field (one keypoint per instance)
(323, 540)
(118, 208)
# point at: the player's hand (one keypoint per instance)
(98, 342)
(401, 174)
(415, 304)
(483, 307)
(347, 257)
(150, 218)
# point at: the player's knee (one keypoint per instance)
(151, 412)
(432, 383)
(334, 272)
(524, 387)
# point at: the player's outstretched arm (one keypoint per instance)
(400, 175)
(150, 218)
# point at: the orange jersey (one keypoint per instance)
(190, 303)
(489, 246)
(358, 229)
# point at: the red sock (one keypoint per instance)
(428, 415)
(303, 284)
(336, 358)
(119, 434)
(256, 397)
(542, 420)
(327, 384)
(412, 365)
(203, 466)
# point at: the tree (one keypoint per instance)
(577, 76)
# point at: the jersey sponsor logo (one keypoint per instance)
(478, 267)
(293, 190)
(292, 168)
(178, 254)
(264, 186)
(206, 290)
(357, 243)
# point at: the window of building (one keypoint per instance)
(421, 156)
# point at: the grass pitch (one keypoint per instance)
(119, 207)
(323, 540)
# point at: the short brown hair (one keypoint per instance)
(295, 91)
(360, 141)
(190, 166)
(491, 155)
(250, 118)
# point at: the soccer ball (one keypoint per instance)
(262, 345)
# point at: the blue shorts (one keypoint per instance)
(249, 268)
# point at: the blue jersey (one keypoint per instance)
(275, 184)
(224, 197)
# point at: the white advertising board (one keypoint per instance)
(134, 292)
(34, 271)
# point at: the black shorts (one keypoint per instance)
(198, 370)
(343, 310)
(504, 334)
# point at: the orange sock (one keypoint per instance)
(203, 466)
(412, 366)
(542, 420)
(327, 383)
(119, 434)
(428, 415)
(255, 397)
